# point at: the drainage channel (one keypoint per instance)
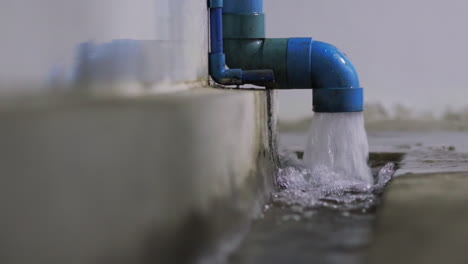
(290, 234)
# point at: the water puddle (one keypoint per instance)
(322, 211)
(301, 192)
(306, 224)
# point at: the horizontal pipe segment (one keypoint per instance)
(297, 63)
(299, 51)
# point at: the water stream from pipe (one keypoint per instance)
(337, 150)
(334, 172)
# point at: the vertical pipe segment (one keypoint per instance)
(298, 63)
(335, 80)
(243, 6)
(216, 32)
(217, 59)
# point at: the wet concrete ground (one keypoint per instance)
(293, 234)
(424, 213)
(324, 236)
(426, 152)
(423, 217)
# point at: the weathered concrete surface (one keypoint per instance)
(423, 219)
(424, 214)
(130, 180)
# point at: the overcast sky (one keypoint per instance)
(408, 52)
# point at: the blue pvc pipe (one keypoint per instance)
(217, 59)
(336, 100)
(299, 62)
(216, 32)
(331, 68)
(335, 80)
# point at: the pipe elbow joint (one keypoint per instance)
(331, 68)
(220, 74)
(224, 76)
(328, 71)
(334, 80)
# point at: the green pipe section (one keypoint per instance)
(253, 54)
(244, 26)
(246, 47)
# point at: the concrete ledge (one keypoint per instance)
(130, 180)
(423, 220)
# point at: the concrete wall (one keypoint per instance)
(149, 178)
(130, 180)
(40, 40)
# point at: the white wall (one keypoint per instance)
(41, 37)
(408, 52)
(126, 181)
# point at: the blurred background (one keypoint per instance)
(409, 54)
(47, 44)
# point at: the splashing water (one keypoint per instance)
(334, 171)
(337, 149)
